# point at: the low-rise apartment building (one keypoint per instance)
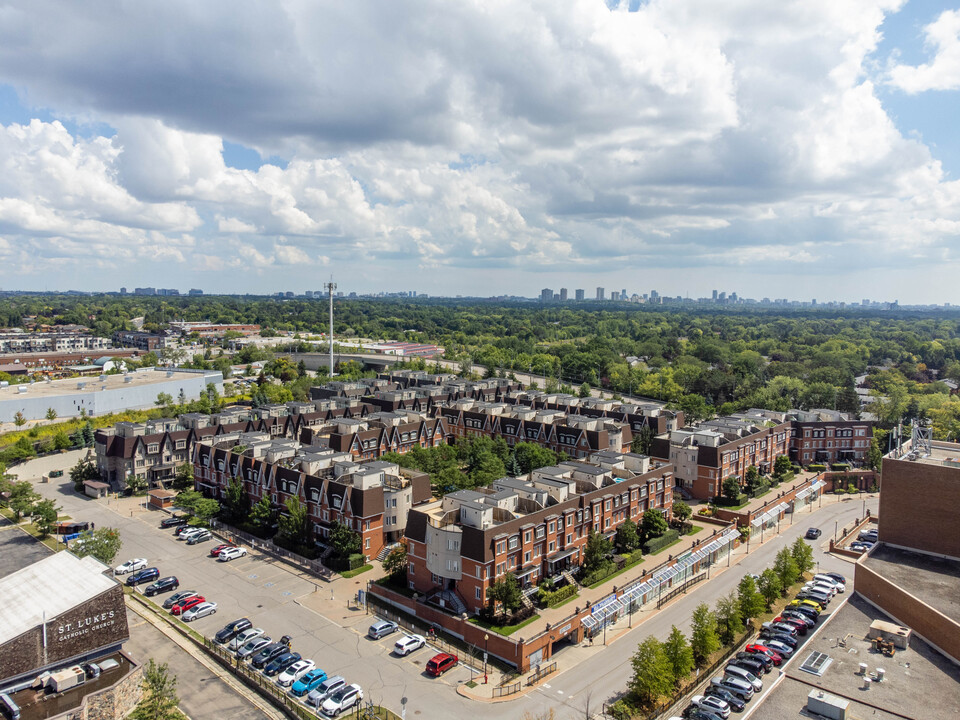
(147, 342)
(534, 527)
(16, 341)
(827, 436)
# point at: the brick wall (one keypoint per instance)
(933, 626)
(919, 507)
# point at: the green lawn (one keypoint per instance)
(504, 629)
(354, 573)
(564, 602)
(612, 575)
(694, 529)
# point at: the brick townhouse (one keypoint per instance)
(823, 436)
(372, 498)
(534, 527)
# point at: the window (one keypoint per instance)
(553, 526)
(570, 520)
(526, 556)
(476, 592)
(579, 516)
(569, 538)
(453, 544)
(553, 546)
(181, 444)
(607, 524)
(606, 505)
(153, 448)
(540, 532)
(366, 544)
(526, 536)
(513, 543)
(393, 502)
(411, 569)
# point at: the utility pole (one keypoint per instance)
(330, 287)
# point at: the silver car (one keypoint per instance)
(243, 638)
(253, 646)
(199, 611)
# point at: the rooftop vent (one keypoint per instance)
(22, 388)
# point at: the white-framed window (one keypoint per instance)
(366, 544)
(553, 526)
(540, 532)
(526, 536)
(526, 556)
(553, 546)
(477, 593)
(513, 543)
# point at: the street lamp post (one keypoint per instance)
(486, 637)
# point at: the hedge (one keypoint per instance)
(605, 570)
(723, 501)
(816, 467)
(341, 564)
(787, 476)
(654, 544)
(550, 599)
(760, 489)
(842, 467)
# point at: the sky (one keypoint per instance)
(800, 149)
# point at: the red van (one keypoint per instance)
(439, 664)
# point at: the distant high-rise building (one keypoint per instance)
(123, 291)
(865, 302)
(714, 295)
(579, 295)
(195, 292)
(623, 294)
(614, 295)
(563, 294)
(601, 293)
(733, 297)
(546, 295)
(654, 296)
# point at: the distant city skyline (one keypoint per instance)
(800, 149)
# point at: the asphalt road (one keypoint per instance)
(271, 595)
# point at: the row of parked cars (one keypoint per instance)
(741, 678)
(865, 540)
(299, 676)
(435, 667)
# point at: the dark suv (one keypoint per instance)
(280, 663)
(143, 576)
(231, 630)
(173, 521)
(268, 653)
(161, 586)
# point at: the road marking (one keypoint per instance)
(252, 576)
(269, 584)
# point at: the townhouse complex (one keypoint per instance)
(535, 527)
(17, 341)
(705, 455)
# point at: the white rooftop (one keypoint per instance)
(49, 587)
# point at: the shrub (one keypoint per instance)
(842, 467)
(760, 488)
(816, 467)
(874, 487)
(605, 569)
(788, 476)
(721, 501)
(655, 544)
(552, 598)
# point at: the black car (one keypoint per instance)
(802, 617)
(735, 703)
(161, 586)
(268, 653)
(180, 529)
(173, 521)
(804, 610)
(819, 598)
(280, 663)
(143, 576)
(838, 577)
(231, 630)
(755, 657)
(812, 534)
(695, 713)
(755, 666)
(790, 642)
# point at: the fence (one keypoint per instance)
(505, 690)
(541, 673)
(313, 567)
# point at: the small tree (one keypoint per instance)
(61, 441)
(751, 602)
(183, 477)
(752, 478)
(344, 541)
(160, 698)
(731, 488)
(786, 569)
(18, 419)
(802, 555)
(102, 543)
(206, 509)
(584, 391)
(261, 515)
(506, 593)
(236, 504)
(652, 672)
(22, 499)
(679, 653)
(704, 640)
(729, 623)
(137, 484)
(395, 563)
(653, 525)
(781, 466)
(627, 539)
(188, 499)
(45, 515)
(81, 472)
(596, 551)
(642, 441)
(51, 414)
(770, 586)
(295, 526)
(681, 512)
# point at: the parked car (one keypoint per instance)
(821, 599)
(143, 576)
(800, 603)
(342, 699)
(308, 682)
(324, 690)
(789, 614)
(130, 566)
(781, 637)
(187, 603)
(799, 625)
(695, 713)
(440, 663)
(712, 704)
(185, 531)
(838, 577)
(232, 629)
(752, 664)
(741, 688)
(382, 628)
(280, 663)
(294, 671)
(173, 521)
(861, 546)
(812, 534)
(763, 659)
(253, 646)
(177, 597)
(243, 638)
(806, 610)
(408, 643)
(826, 579)
(199, 537)
(268, 653)
(781, 648)
(161, 586)
(217, 549)
(199, 611)
(761, 649)
(734, 670)
(231, 554)
(871, 535)
(735, 703)
(780, 627)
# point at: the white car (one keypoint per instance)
(230, 554)
(243, 638)
(344, 698)
(187, 534)
(199, 611)
(408, 643)
(830, 590)
(293, 673)
(131, 566)
(827, 580)
(712, 704)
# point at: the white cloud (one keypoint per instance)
(942, 37)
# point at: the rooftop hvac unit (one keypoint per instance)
(880, 674)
